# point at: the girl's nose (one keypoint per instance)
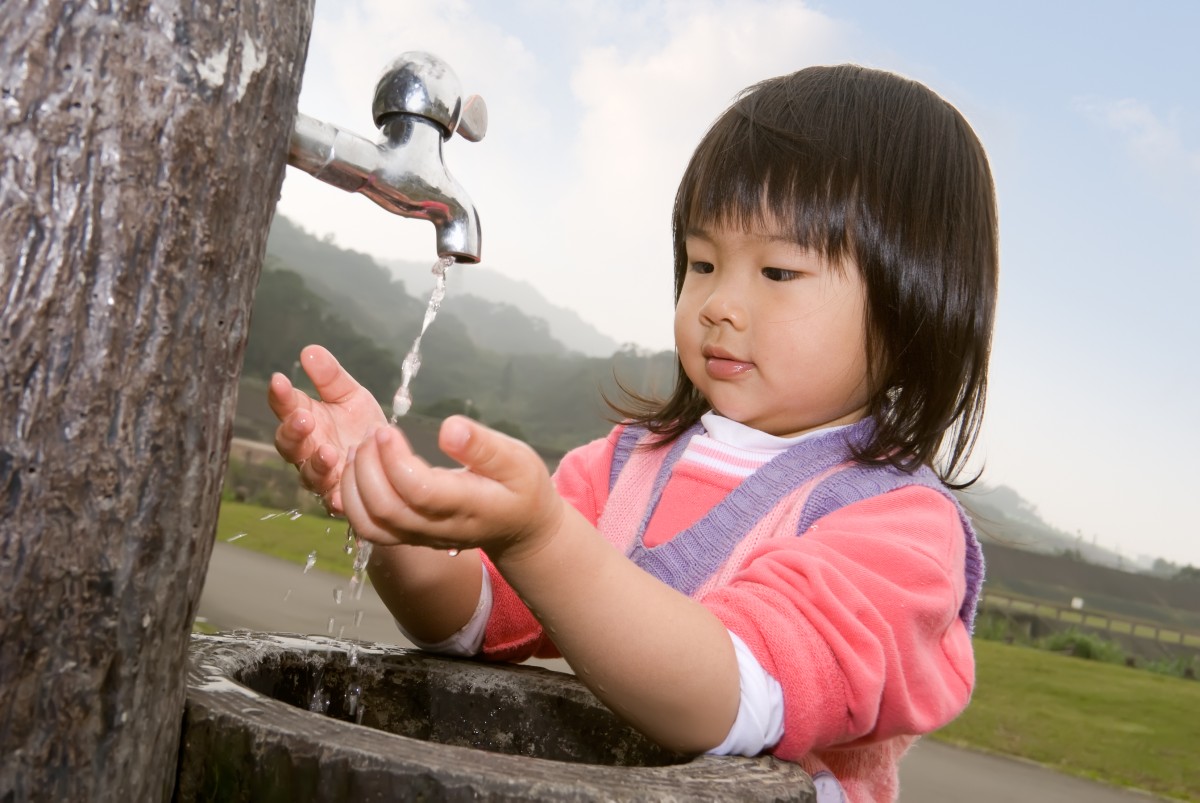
(724, 305)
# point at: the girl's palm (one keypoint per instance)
(315, 434)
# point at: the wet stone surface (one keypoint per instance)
(275, 717)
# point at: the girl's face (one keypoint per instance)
(771, 333)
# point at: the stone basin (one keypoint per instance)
(276, 717)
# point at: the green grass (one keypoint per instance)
(1101, 721)
(285, 537)
(1107, 722)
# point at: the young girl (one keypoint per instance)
(766, 561)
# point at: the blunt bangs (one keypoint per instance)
(761, 165)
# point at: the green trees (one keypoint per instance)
(288, 316)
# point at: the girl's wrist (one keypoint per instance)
(529, 542)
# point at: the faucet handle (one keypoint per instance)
(472, 125)
(424, 85)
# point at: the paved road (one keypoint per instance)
(247, 590)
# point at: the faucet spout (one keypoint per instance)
(417, 107)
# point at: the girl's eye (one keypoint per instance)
(701, 267)
(780, 274)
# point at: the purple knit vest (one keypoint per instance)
(695, 554)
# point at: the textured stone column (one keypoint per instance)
(141, 156)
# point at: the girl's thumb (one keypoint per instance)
(480, 449)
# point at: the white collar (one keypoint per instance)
(732, 433)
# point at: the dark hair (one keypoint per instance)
(869, 167)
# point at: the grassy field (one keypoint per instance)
(1123, 726)
(1110, 723)
(286, 535)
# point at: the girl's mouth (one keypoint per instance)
(724, 367)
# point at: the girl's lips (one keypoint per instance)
(725, 367)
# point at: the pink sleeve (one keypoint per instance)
(858, 621)
(512, 633)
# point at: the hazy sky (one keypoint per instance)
(1090, 113)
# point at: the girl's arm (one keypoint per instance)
(657, 658)
(654, 656)
(431, 594)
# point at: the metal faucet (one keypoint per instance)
(418, 105)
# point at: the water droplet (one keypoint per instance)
(233, 538)
(312, 559)
(287, 595)
(358, 617)
(353, 655)
(452, 552)
(401, 403)
(348, 549)
(319, 702)
(294, 514)
(337, 596)
(270, 516)
(330, 628)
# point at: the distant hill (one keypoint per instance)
(1004, 516)
(483, 355)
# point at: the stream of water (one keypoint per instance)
(401, 404)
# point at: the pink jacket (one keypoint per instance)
(858, 619)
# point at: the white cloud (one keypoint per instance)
(1154, 142)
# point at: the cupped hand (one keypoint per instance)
(316, 434)
(501, 501)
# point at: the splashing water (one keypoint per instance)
(402, 401)
(358, 578)
(312, 560)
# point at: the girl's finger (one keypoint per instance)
(332, 382)
(381, 498)
(280, 396)
(319, 473)
(292, 437)
(431, 493)
(356, 508)
(483, 450)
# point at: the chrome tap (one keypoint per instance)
(418, 105)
